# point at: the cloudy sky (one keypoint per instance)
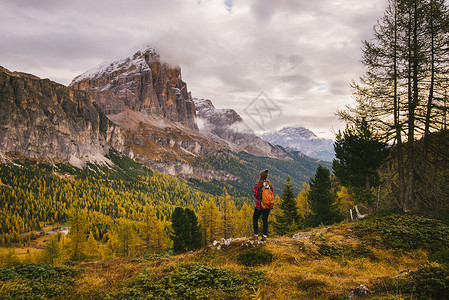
(298, 56)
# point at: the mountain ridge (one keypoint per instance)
(43, 119)
(302, 139)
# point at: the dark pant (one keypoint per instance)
(256, 216)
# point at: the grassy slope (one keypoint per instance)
(324, 263)
(247, 168)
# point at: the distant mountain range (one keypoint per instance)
(140, 106)
(303, 140)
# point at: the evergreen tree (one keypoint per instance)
(322, 200)
(194, 236)
(287, 219)
(358, 155)
(186, 232)
(180, 230)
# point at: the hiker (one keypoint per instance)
(258, 210)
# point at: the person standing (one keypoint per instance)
(258, 210)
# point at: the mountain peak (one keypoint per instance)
(300, 132)
(302, 139)
(135, 57)
(139, 81)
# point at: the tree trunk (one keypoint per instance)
(432, 84)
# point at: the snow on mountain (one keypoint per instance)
(302, 139)
(133, 61)
(227, 125)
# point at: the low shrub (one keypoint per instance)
(190, 281)
(404, 232)
(35, 281)
(425, 283)
(254, 257)
(346, 251)
(429, 283)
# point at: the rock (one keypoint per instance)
(141, 82)
(358, 293)
(44, 120)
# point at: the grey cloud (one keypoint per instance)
(287, 48)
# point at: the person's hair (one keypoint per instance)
(262, 177)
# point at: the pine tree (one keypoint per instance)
(180, 230)
(358, 155)
(322, 200)
(287, 219)
(194, 230)
(186, 232)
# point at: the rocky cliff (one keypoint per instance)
(43, 119)
(139, 81)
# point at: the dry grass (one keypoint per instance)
(301, 269)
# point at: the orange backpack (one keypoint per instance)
(267, 198)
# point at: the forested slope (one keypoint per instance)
(31, 193)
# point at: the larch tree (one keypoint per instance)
(404, 91)
(245, 220)
(52, 252)
(152, 230)
(228, 213)
(77, 233)
(126, 237)
(209, 219)
(301, 201)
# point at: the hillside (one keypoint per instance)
(393, 256)
(247, 168)
(118, 189)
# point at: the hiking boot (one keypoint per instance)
(254, 238)
(264, 238)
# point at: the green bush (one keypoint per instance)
(255, 256)
(425, 283)
(404, 232)
(35, 281)
(429, 283)
(343, 251)
(191, 281)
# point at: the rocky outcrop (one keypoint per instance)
(43, 119)
(140, 82)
